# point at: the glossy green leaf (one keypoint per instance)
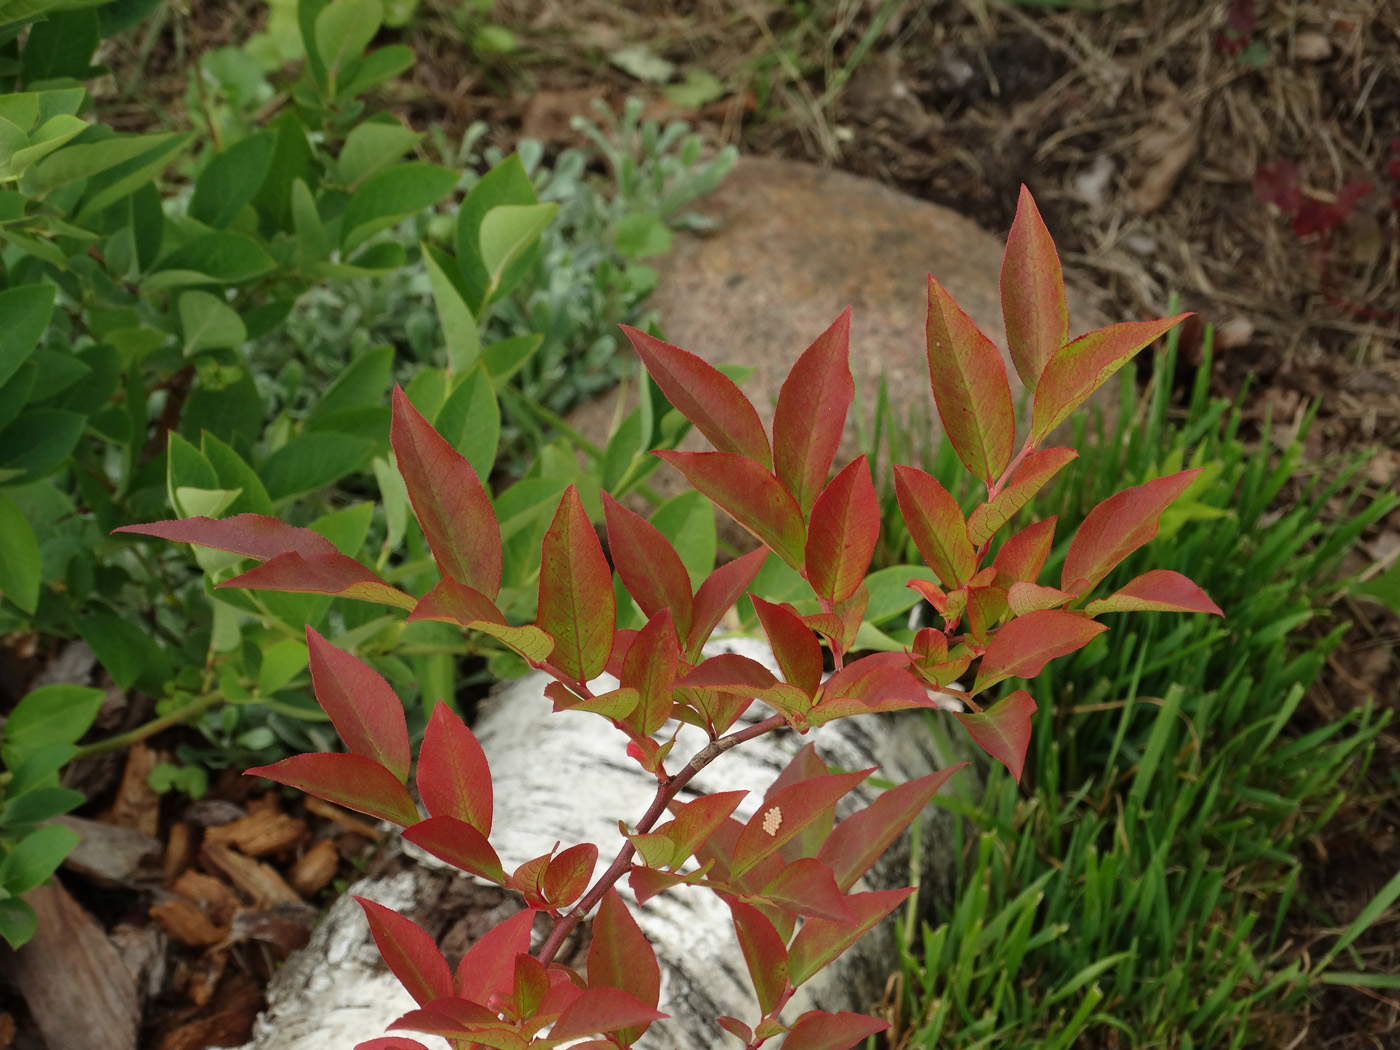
(49, 715)
(312, 460)
(370, 147)
(459, 331)
(507, 233)
(344, 28)
(209, 323)
(231, 179)
(470, 420)
(36, 857)
(27, 310)
(20, 568)
(392, 196)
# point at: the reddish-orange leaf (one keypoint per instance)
(335, 574)
(858, 841)
(1023, 647)
(1026, 597)
(985, 606)
(616, 704)
(795, 647)
(567, 875)
(806, 886)
(650, 568)
(460, 844)
(717, 595)
(1003, 730)
(1117, 527)
(1032, 293)
(454, 1018)
(620, 956)
(750, 495)
(391, 1042)
(600, 1010)
(734, 1027)
(1023, 555)
(449, 501)
(348, 780)
(453, 776)
(1160, 589)
(252, 535)
(730, 671)
(785, 814)
(936, 525)
(646, 883)
(818, 1030)
(1079, 368)
(764, 953)
(821, 940)
(811, 413)
(488, 968)
(650, 668)
(698, 819)
(576, 606)
(970, 387)
(842, 534)
(362, 706)
(1039, 467)
(705, 396)
(453, 602)
(410, 953)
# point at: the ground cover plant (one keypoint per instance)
(788, 873)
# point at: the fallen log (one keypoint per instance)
(565, 778)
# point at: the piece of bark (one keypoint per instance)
(338, 816)
(284, 928)
(186, 922)
(214, 898)
(565, 777)
(224, 1021)
(112, 855)
(180, 851)
(137, 805)
(78, 990)
(315, 869)
(143, 950)
(261, 832)
(259, 882)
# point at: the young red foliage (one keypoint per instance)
(842, 534)
(806, 886)
(1023, 647)
(487, 970)
(1003, 730)
(936, 525)
(1160, 589)
(453, 602)
(1117, 527)
(1035, 470)
(567, 874)
(811, 413)
(448, 499)
(251, 535)
(970, 388)
(348, 780)
(785, 814)
(1025, 597)
(794, 646)
(705, 396)
(818, 1030)
(649, 566)
(410, 953)
(620, 956)
(1032, 293)
(336, 574)
(821, 940)
(459, 844)
(764, 953)
(1023, 555)
(650, 667)
(601, 1010)
(453, 776)
(717, 596)
(576, 606)
(362, 706)
(391, 1042)
(697, 820)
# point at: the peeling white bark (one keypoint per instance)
(565, 778)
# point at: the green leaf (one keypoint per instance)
(699, 88)
(36, 857)
(507, 233)
(344, 29)
(392, 196)
(505, 358)
(470, 420)
(371, 147)
(346, 528)
(109, 186)
(19, 558)
(216, 258)
(365, 382)
(55, 132)
(313, 242)
(17, 922)
(313, 460)
(375, 68)
(51, 714)
(506, 183)
(235, 473)
(61, 46)
(231, 180)
(459, 331)
(38, 443)
(130, 655)
(26, 310)
(644, 64)
(639, 236)
(280, 664)
(209, 323)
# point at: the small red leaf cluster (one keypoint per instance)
(789, 873)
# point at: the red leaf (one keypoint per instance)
(985, 606)
(698, 819)
(453, 776)
(817, 1030)
(251, 535)
(449, 501)
(1026, 598)
(796, 648)
(1039, 467)
(807, 887)
(1023, 555)
(352, 781)
(844, 528)
(336, 574)
(391, 1042)
(730, 671)
(717, 595)
(811, 413)
(936, 525)
(460, 844)
(600, 1010)
(620, 956)
(410, 953)
(1081, 367)
(646, 883)
(649, 566)
(1032, 293)
(764, 953)
(488, 967)
(650, 668)
(453, 602)
(969, 387)
(821, 940)
(1117, 527)
(567, 875)
(750, 495)
(781, 817)
(1160, 589)
(734, 1027)
(1024, 646)
(576, 606)
(705, 396)
(859, 840)
(459, 1019)
(1003, 730)
(873, 678)
(362, 706)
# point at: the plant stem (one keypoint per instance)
(664, 794)
(140, 733)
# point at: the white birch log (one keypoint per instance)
(565, 778)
